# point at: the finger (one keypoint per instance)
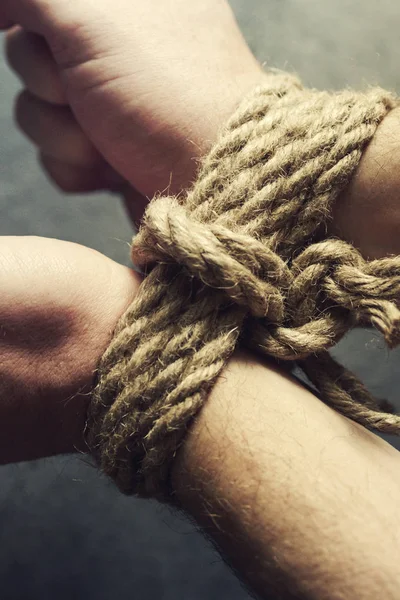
(48, 17)
(135, 203)
(55, 131)
(5, 23)
(30, 58)
(73, 179)
(39, 16)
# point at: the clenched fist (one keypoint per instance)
(126, 88)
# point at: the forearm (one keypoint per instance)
(263, 468)
(292, 498)
(301, 501)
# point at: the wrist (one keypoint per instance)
(60, 304)
(207, 117)
(263, 451)
(99, 321)
(367, 213)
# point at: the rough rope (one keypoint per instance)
(243, 259)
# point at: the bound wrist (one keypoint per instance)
(226, 97)
(367, 213)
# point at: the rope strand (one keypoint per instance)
(239, 261)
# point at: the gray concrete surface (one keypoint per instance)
(65, 532)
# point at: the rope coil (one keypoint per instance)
(243, 259)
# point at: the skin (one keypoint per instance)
(298, 499)
(302, 502)
(96, 61)
(367, 214)
(58, 308)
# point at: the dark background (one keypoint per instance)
(64, 531)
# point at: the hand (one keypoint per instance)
(59, 305)
(126, 88)
(139, 90)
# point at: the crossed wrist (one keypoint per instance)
(367, 213)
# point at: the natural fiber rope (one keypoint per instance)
(242, 258)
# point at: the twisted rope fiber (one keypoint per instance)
(243, 259)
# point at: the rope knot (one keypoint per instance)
(244, 269)
(236, 261)
(312, 271)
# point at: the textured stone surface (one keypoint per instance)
(65, 532)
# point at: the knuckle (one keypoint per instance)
(17, 53)
(21, 109)
(11, 44)
(65, 185)
(63, 176)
